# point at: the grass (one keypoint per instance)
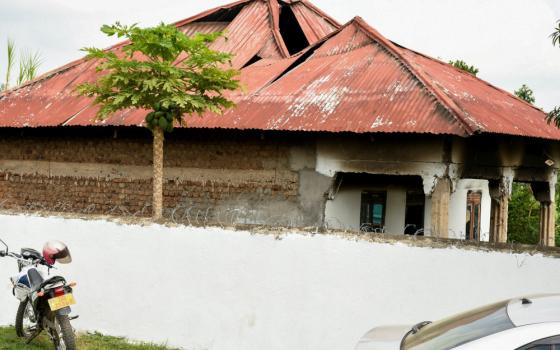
(89, 341)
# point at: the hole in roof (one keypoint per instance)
(299, 61)
(291, 32)
(223, 15)
(252, 61)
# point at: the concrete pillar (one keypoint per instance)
(500, 192)
(548, 224)
(544, 192)
(439, 217)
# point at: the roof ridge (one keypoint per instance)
(468, 74)
(319, 12)
(203, 14)
(274, 17)
(443, 99)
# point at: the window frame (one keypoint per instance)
(553, 341)
(366, 202)
(485, 320)
(473, 208)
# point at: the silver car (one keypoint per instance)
(531, 323)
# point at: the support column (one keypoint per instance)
(439, 225)
(544, 192)
(548, 224)
(500, 192)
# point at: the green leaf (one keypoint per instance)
(460, 64)
(525, 93)
(148, 75)
(554, 117)
(109, 30)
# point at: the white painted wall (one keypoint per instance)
(427, 215)
(458, 207)
(226, 290)
(343, 212)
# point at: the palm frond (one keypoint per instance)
(22, 68)
(33, 63)
(555, 36)
(11, 50)
(28, 66)
(553, 117)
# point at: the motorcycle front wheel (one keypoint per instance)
(26, 323)
(62, 333)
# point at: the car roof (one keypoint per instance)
(534, 309)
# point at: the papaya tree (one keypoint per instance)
(167, 74)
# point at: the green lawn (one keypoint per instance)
(9, 341)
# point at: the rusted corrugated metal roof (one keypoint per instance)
(485, 108)
(352, 80)
(349, 83)
(314, 23)
(246, 34)
(50, 100)
(203, 27)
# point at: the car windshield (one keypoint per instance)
(460, 329)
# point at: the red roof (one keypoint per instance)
(350, 79)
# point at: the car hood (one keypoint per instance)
(383, 338)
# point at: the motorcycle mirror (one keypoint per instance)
(5, 245)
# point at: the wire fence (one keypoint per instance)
(186, 213)
(234, 215)
(238, 216)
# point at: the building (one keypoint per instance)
(338, 127)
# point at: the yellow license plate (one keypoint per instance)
(61, 301)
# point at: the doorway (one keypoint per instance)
(472, 227)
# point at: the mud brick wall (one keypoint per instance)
(209, 175)
(69, 194)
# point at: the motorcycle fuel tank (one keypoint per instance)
(25, 281)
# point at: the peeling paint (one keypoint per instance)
(355, 74)
(380, 121)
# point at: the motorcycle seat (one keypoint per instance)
(50, 281)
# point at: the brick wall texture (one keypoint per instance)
(236, 153)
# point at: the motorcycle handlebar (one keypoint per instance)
(16, 256)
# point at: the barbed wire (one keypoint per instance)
(221, 215)
(183, 213)
(199, 215)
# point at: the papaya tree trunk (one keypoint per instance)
(157, 203)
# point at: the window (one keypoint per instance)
(461, 329)
(472, 228)
(551, 343)
(372, 215)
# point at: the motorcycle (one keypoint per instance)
(44, 299)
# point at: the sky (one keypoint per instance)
(508, 40)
